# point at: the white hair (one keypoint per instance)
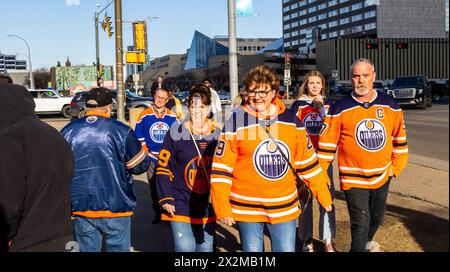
(362, 60)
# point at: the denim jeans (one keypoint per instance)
(282, 236)
(327, 220)
(193, 237)
(366, 208)
(89, 233)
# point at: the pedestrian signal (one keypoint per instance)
(401, 45)
(371, 46)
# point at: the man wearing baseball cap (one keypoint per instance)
(107, 154)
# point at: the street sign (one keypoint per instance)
(335, 74)
(287, 81)
(287, 73)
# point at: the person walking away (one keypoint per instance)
(365, 124)
(36, 169)
(107, 154)
(311, 108)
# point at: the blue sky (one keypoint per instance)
(57, 29)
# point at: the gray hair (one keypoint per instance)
(362, 60)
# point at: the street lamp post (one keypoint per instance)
(29, 59)
(234, 85)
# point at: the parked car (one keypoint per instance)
(50, 101)
(439, 89)
(78, 103)
(412, 90)
(225, 97)
(339, 90)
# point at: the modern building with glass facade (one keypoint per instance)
(202, 48)
(9, 62)
(307, 21)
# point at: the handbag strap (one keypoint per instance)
(278, 147)
(199, 153)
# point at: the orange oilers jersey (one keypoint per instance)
(370, 138)
(250, 180)
(311, 117)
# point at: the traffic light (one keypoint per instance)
(287, 58)
(140, 36)
(401, 45)
(371, 45)
(106, 25)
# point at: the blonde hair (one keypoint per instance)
(303, 88)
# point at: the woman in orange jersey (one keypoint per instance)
(311, 107)
(183, 175)
(251, 182)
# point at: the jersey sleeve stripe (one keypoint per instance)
(327, 144)
(326, 150)
(262, 206)
(222, 173)
(310, 175)
(222, 166)
(365, 182)
(398, 138)
(272, 215)
(400, 150)
(312, 166)
(325, 157)
(137, 159)
(306, 161)
(221, 180)
(400, 144)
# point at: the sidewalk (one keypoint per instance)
(411, 225)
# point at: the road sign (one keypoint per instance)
(287, 81)
(287, 73)
(335, 74)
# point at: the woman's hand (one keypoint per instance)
(318, 102)
(229, 221)
(169, 208)
(328, 208)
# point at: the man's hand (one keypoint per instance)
(328, 208)
(229, 221)
(169, 208)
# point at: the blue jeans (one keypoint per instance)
(193, 237)
(89, 233)
(282, 236)
(366, 208)
(327, 220)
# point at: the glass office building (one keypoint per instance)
(202, 48)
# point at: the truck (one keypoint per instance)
(412, 91)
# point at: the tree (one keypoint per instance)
(41, 78)
(219, 76)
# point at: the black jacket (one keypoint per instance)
(36, 168)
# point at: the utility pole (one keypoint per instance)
(119, 63)
(29, 60)
(97, 48)
(234, 84)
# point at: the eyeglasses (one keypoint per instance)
(160, 98)
(262, 94)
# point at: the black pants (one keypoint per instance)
(366, 208)
(151, 177)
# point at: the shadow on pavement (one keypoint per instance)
(226, 240)
(145, 236)
(429, 231)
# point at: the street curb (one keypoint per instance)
(428, 162)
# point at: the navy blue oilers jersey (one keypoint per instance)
(180, 177)
(151, 128)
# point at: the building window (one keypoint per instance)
(333, 34)
(324, 36)
(344, 21)
(332, 3)
(286, 9)
(342, 1)
(287, 35)
(322, 16)
(344, 10)
(303, 22)
(294, 6)
(302, 3)
(294, 15)
(302, 31)
(303, 12)
(332, 13)
(294, 24)
(295, 33)
(287, 44)
(287, 17)
(322, 6)
(323, 26)
(311, 1)
(287, 26)
(357, 6)
(356, 18)
(369, 14)
(312, 19)
(294, 42)
(370, 26)
(312, 9)
(333, 23)
(286, 1)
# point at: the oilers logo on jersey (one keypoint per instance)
(371, 135)
(194, 174)
(157, 131)
(313, 123)
(269, 162)
(91, 119)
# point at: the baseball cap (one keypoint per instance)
(98, 97)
